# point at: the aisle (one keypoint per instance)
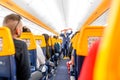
(62, 73)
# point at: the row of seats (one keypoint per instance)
(31, 42)
(100, 63)
(81, 44)
(96, 55)
(7, 51)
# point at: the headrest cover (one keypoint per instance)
(53, 41)
(50, 41)
(40, 40)
(6, 42)
(87, 36)
(29, 39)
(59, 40)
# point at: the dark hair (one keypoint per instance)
(46, 37)
(25, 29)
(56, 37)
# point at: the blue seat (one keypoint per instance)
(7, 59)
(33, 57)
(30, 41)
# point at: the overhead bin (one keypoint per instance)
(104, 6)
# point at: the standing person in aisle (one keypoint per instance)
(66, 39)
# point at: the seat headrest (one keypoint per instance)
(74, 40)
(29, 39)
(41, 40)
(60, 40)
(87, 36)
(53, 41)
(6, 42)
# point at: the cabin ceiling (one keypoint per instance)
(59, 14)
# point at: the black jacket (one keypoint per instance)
(22, 60)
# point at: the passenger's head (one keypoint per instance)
(13, 22)
(46, 37)
(56, 37)
(25, 29)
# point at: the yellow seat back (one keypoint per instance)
(53, 41)
(29, 39)
(61, 41)
(50, 41)
(6, 42)
(41, 40)
(107, 65)
(75, 40)
(87, 36)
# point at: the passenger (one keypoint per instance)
(49, 63)
(57, 48)
(40, 60)
(65, 42)
(47, 46)
(57, 45)
(50, 45)
(71, 63)
(25, 29)
(56, 51)
(42, 64)
(13, 22)
(40, 56)
(47, 52)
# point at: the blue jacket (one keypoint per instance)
(66, 40)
